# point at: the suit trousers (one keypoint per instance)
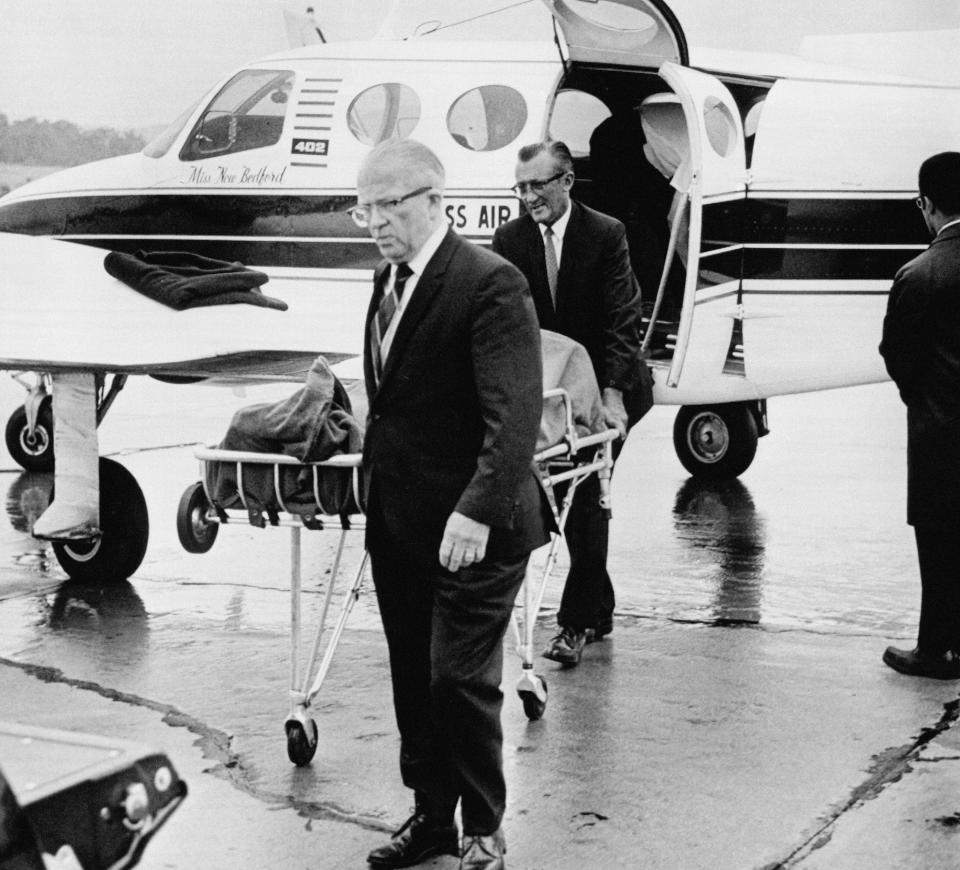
(445, 637)
(588, 599)
(938, 549)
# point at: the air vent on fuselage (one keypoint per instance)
(313, 119)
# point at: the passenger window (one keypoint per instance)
(387, 111)
(487, 118)
(721, 128)
(248, 112)
(575, 115)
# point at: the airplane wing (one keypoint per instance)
(63, 312)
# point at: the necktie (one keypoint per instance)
(385, 312)
(550, 255)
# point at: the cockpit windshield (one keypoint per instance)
(160, 144)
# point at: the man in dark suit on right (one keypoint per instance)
(577, 263)
(921, 348)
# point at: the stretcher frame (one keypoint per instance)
(573, 459)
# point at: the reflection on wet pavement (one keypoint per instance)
(718, 521)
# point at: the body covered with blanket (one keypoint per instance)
(320, 420)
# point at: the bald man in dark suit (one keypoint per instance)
(454, 379)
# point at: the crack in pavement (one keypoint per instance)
(889, 767)
(214, 745)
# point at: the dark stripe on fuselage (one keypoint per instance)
(782, 223)
(258, 224)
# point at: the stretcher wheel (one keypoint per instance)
(195, 531)
(124, 531)
(301, 740)
(533, 706)
(31, 450)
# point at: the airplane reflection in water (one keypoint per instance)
(719, 520)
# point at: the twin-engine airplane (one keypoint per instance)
(788, 205)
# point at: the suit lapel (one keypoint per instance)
(428, 285)
(572, 240)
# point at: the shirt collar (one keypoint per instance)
(419, 261)
(952, 223)
(559, 226)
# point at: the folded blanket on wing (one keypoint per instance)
(566, 364)
(184, 280)
(313, 424)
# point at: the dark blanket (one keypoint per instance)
(313, 424)
(183, 280)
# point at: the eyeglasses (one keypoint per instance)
(918, 202)
(521, 187)
(361, 212)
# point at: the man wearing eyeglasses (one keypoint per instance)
(921, 349)
(453, 374)
(578, 264)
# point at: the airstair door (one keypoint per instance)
(715, 188)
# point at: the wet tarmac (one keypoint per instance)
(738, 717)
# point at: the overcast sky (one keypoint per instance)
(139, 63)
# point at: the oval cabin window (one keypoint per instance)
(387, 111)
(487, 118)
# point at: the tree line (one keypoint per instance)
(61, 143)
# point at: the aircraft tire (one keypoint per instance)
(715, 442)
(124, 528)
(196, 533)
(31, 452)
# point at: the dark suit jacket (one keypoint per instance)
(921, 348)
(598, 299)
(454, 423)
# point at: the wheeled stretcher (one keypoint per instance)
(273, 489)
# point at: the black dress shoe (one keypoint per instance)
(945, 666)
(418, 839)
(566, 647)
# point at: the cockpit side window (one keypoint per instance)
(487, 118)
(386, 111)
(247, 113)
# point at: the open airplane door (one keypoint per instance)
(632, 33)
(717, 175)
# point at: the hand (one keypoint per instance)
(464, 542)
(614, 413)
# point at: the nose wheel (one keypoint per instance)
(31, 448)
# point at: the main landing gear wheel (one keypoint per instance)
(124, 531)
(195, 531)
(533, 705)
(301, 739)
(32, 450)
(715, 442)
